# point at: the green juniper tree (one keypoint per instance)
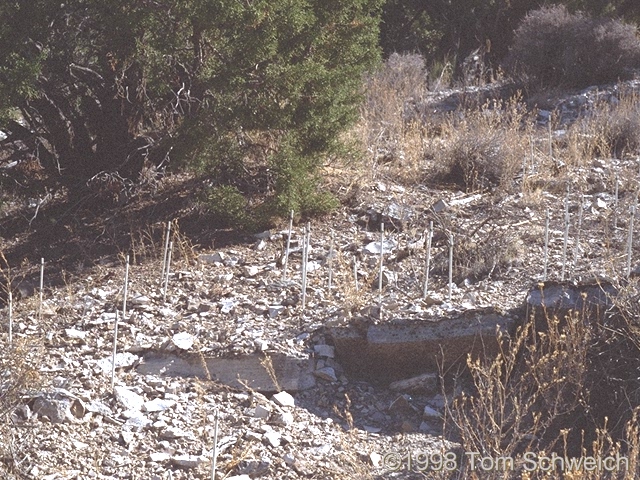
(256, 92)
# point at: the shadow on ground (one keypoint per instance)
(72, 235)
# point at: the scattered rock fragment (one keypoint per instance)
(430, 412)
(159, 457)
(326, 373)
(188, 461)
(58, 408)
(173, 432)
(427, 382)
(76, 334)
(284, 419)
(158, 405)
(183, 340)
(261, 411)
(275, 310)
(123, 360)
(439, 206)
(283, 399)
(128, 399)
(250, 270)
(272, 438)
(323, 350)
(214, 258)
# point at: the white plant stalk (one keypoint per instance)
(166, 251)
(214, 452)
(331, 260)
(615, 204)
(566, 237)
(630, 236)
(10, 314)
(450, 266)
(550, 141)
(41, 289)
(286, 252)
(125, 290)
(576, 247)
(115, 326)
(305, 259)
(381, 267)
(427, 266)
(355, 273)
(546, 246)
(115, 348)
(166, 277)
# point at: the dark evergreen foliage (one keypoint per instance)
(255, 92)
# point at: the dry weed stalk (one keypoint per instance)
(346, 285)
(613, 130)
(19, 375)
(167, 235)
(388, 131)
(8, 288)
(535, 381)
(185, 248)
(483, 148)
(267, 363)
(142, 244)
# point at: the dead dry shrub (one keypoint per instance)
(612, 130)
(567, 387)
(479, 256)
(553, 47)
(521, 393)
(18, 376)
(480, 150)
(400, 81)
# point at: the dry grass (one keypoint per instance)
(482, 149)
(567, 389)
(612, 131)
(476, 149)
(520, 393)
(19, 376)
(550, 390)
(383, 132)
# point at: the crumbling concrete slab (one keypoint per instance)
(402, 348)
(592, 301)
(252, 371)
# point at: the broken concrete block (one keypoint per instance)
(395, 350)
(593, 301)
(293, 374)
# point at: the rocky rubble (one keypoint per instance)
(233, 342)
